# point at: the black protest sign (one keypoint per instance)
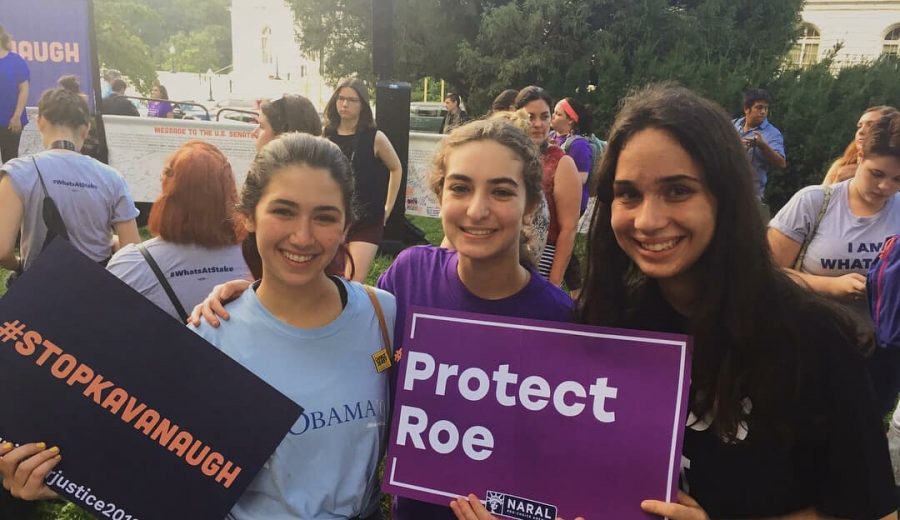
(152, 421)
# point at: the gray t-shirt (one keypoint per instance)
(844, 243)
(90, 195)
(191, 270)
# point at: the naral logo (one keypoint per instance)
(517, 507)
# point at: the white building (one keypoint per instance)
(264, 49)
(866, 28)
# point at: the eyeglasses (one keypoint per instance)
(351, 100)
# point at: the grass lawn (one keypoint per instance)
(433, 233)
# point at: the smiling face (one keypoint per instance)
(299, 224)
(560, 120)
(348, 104)
(862, 126)
(483, 201)
(539, 115)
(663, 214)
(877, 179)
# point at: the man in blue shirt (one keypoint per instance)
(764, 142)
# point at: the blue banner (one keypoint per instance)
(54, 39)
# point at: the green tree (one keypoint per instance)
(426, 36)
(196, 51)
(117, 45)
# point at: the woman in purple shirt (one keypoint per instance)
(158, 108)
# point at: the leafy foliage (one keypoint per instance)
(134, 36)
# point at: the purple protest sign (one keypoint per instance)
(538, 418)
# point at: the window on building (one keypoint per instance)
(302, 71)
(266, 44)
(805, 52)
(892, 42)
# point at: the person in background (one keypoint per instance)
(844, 167)
(856, 218)
(560, 183)
(14, 82)
(376, 170)
(505, 101)
(456, 116)
(109, 75)
(289, 113)
(93, 199)
(160, 106)
(572, 129)
(190, 232)
(763, 142)
(117, 104)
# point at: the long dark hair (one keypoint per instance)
(755, 331)
(333, 119)
(292, 113)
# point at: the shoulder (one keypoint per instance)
(411, 262)
(17, 166)
(244, 313)
(553, 301)
(387, 301)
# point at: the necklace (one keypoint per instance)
(63, 145)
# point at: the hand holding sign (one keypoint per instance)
(25, 468)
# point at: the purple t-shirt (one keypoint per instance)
(581, 152)
(13, 71)
(427, 276)
(159, 109)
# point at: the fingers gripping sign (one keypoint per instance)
(24, 469)
(686, 508)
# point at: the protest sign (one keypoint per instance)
(152, 421)
(539, 419)
(54, 39)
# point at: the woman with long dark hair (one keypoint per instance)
(782, 421)
(376, 170)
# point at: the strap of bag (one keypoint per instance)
(40, 177)
(380, 314)
(163, 282)
(798, 264)
(50, 213)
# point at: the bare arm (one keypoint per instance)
(15, 122)
(785, 251)
(774, 158)
(385, 151)
(127, 232)
(567, 196)
(11, 213)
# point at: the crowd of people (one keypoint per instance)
(784, 421)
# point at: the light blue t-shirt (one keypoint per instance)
(191, 270)
(326, 467)
(90, 195)
(758, 160)
(844, 243)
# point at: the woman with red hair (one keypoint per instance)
(196, 242)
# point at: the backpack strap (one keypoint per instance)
(163, 282)
(798, 264)
(50, 213)
(382, 324)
